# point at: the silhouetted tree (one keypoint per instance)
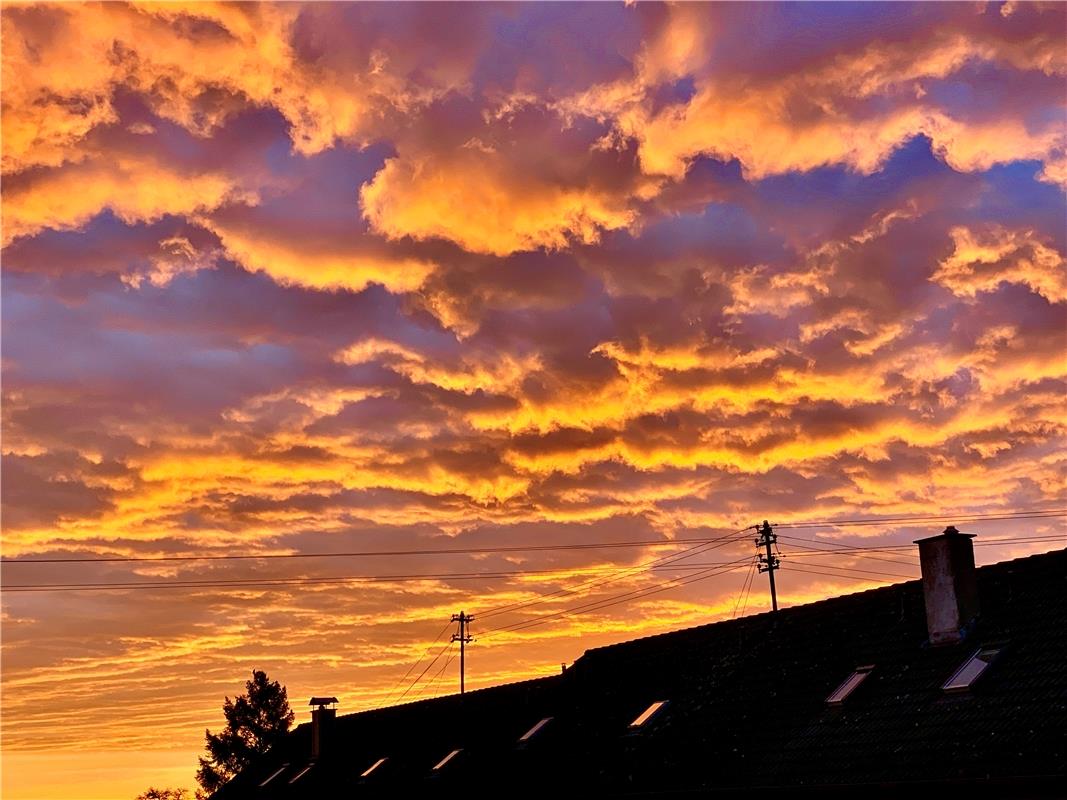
(254, 722)
(152, 793)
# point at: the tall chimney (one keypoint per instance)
(321, 722)
(950, 588)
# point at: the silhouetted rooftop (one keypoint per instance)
(746, 710)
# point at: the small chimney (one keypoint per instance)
(950, 588)
(321, 722)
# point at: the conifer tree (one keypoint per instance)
(255, 720)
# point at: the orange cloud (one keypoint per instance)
(476, 372)
(481, 202)
(720, 122)
(60, 78)
(316, 263)
(176, 256)
(136, 189)
(816, 117)
(972, 147)
(983, 259)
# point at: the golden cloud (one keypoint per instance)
(60, 79)
(815, 117)
(983, 259)
(474, 372)
(316, 263)
(477, 200)
(135, 189)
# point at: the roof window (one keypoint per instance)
(973, 668)
(373, 767)
(648, 713)
(533, 731)
(274, 775)
(858, 676)
(441, 764)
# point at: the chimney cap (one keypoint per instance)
(951, 530)
(322, 702)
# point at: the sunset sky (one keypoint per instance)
(285, 279)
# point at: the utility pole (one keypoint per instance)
(768, 563)
(463, 636)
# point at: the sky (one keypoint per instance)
(292, 279)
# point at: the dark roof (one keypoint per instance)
(747, 710)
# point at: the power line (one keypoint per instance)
(440, 672)
(952, 517)
(852, 553)
(903, 549)
(846, 548)
(655, 563)
(425, 690)
(625, 597)
(888, 548)
(615, 573)
(1025, 539)
(959, 517)
(429, 647)
(909, 549)
(424, 671)
(744, 605)
(1030, 540)
(868, 571)
(639, 594)
(745, 585)
(254, 583)
(791, 554)
(832, 575)
(528, 548)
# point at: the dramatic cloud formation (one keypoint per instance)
(296, 279)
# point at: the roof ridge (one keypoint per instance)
(443, 699)
(748, 620)
(724, 623)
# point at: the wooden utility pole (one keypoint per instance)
(768, 563)
(463, 637)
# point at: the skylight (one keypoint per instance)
(972, 670)
(858, 676)
(533, 731)
(648, 713)
(373, 767)
(274, 775)
(301, 774)
(446, 759)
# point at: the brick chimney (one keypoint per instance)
(950, 587)
(321, 722)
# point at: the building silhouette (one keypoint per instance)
(953, 683)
